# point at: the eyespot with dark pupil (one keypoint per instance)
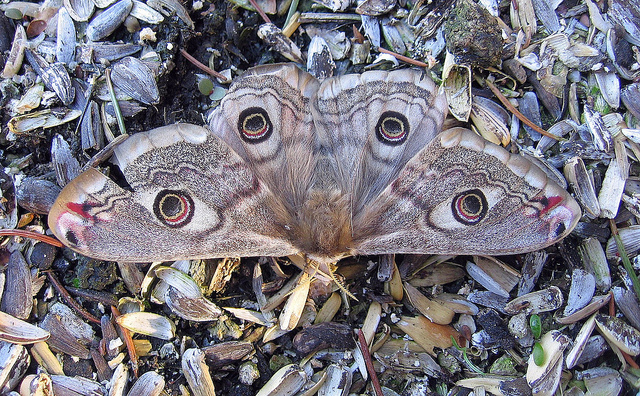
(254, 125)
(560, 229)
(469, 207)
(71, 238)
(392, 128)
(173, 208)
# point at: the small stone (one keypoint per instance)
(278, 361)
(37, 195)
(515, 69)
(168, 351)
(324, 335)
(147, 34)
(248, 373)
(473, 35)
(42, 255)
(504, 365)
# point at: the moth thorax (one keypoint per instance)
(324, 226)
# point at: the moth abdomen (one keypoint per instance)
(322, 226)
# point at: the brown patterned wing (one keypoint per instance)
(370, 125)
(464, 195)
(265, 119)
(188, 196)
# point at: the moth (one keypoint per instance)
(289, 165)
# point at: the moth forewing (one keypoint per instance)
(294, 306)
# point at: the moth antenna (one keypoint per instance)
(341, 285)
(316, 269)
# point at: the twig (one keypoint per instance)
(465, 357)
(630, 360)
(264, 16)
(67, 297)
(104, 153)
(202, 66)
(517, 113)
(87, 102)
(32, 235)
(292, 25)
(293, 7)
(625, 258)
(94, 295)
(612, 313)
(403, 58)
(367, 360)
(131, 348)
(114, 101)
(612, 305)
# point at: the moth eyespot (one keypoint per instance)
(560, 229)
(254, 125)
(469, 207)
(173, 208)
(71, 238)
(392, 128)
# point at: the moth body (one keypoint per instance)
(323, 227)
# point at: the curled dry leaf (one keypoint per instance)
(185, 298)
(15, 362)
(148, 323)
(434, 311)
(540, 301)
(545, 377)
(324, 335)
(428, 334)
(197, 373)
(286, 382)
(619, 333)
(580, 342)
(17, 331)
(149, 383)
(222, 354)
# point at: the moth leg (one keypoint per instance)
(328, 272)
